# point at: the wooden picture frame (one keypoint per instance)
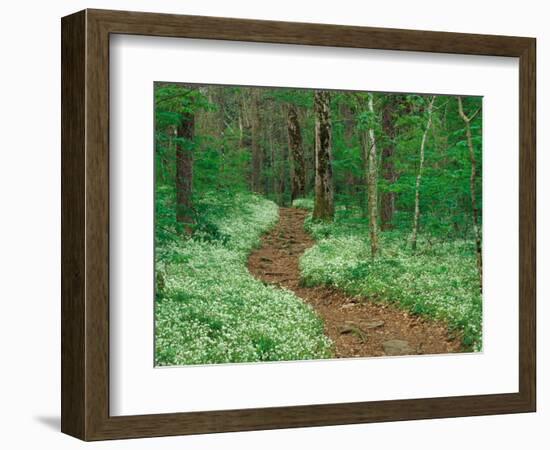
(85, 224)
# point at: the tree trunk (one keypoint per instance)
(220, 128)
(324, 189)
(241, 126)
(388, 167)
(283, 155)
(184, 170)
(255, 136)
(353, 184)
(372, 177)
(297, 154)
(475, 213)
(349, 123)
(274, 184)
(364, 192)
(419, 175)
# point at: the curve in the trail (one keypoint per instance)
(357, 327)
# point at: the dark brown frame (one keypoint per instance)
(85, 224)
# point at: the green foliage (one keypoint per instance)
(211, 310)
(298, 97)
(440, 281)
(304, 203)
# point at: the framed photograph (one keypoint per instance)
(273, 225)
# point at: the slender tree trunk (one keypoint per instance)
(297, 153)
(240, 121)
(310, 154)
(244, 122)
(184, 170)
(220, 125)
(349, 123)
(348, 120)
(372, 177)
(388, 167)
(475, 213)
(324, 189)
(364, 193)
(419, 175)
(283, 155)
(255, 135)
(273, 162)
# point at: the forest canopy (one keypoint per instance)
(392, 183)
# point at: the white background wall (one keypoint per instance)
(30, 221)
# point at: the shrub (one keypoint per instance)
(305, 203)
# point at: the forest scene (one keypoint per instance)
(300, 224)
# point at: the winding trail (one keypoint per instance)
(357, 327)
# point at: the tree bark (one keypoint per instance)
(255, 136)
(324, 189)
(372, 177)
(184, 170)
(241, 128)
(349, 123)
(283, 156)
(274, 183)
(364, 192)
(475, 212)
(297, 153)
(388, 167)
(220, 131)
(419, 175)
(353, 185)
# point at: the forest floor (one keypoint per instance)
(356, 325)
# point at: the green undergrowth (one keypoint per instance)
(439, 280)
(210, 309)
(305, 203)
